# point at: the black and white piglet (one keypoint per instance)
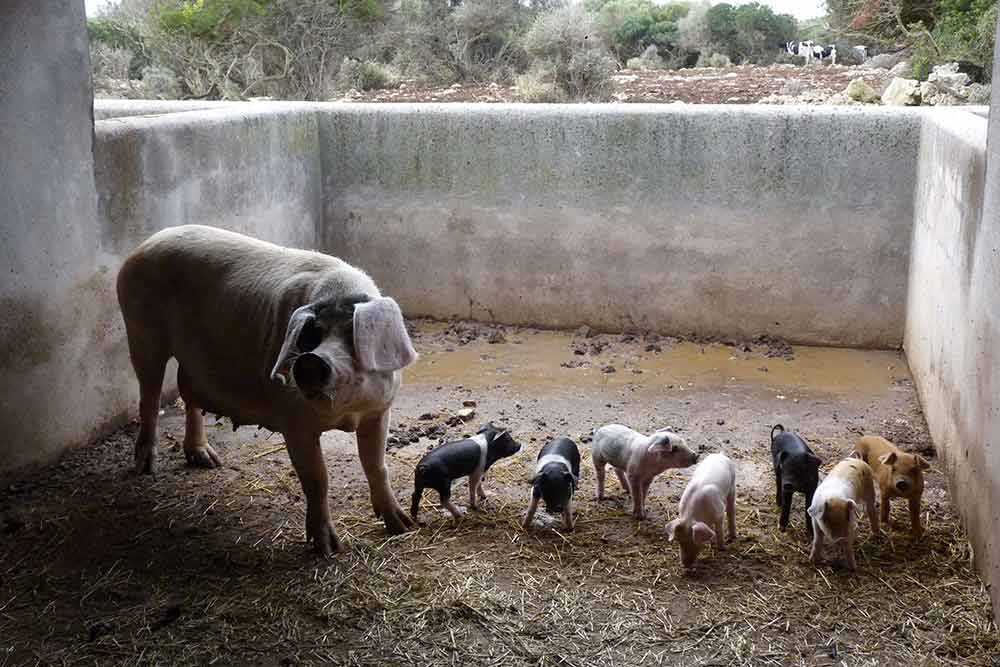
(470, 457)
(796, 468)
(557, 472)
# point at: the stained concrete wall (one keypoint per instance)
(734, 221)
(953, 316)
(66, 376)
(51, 383)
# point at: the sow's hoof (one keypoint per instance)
(325, 541)
(202, 457)
(396, 520)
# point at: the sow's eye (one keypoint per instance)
(310, 337)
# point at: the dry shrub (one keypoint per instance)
(107, 62)
(291, 51)
(567, 48)
(538, 86)
(364, 75)
(650, 59)
(476, 41)
(714, 60)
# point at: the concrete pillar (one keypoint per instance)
(48, 208)
(985, 297)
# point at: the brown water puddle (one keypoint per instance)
(536, 361)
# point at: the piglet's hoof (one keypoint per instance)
(202, 456)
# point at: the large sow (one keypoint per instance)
(296, 341)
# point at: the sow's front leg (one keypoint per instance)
(307, 458)
(372, 433)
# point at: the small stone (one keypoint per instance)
(585, 332)
(902, 92)
(720, 422)
(468, 403)
(465, 414)
(608, 369)
(427, 416)
(859, 90)
(496, 336)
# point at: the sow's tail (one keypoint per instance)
(777, 427)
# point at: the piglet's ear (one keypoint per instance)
(660, 442)
(381, 342)
(922, 462)
(670, 530)
(856, 455)
(702, 533)
(888, 459)
(814, 460)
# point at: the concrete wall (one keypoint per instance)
(80, 206)
(953, 316)
(734, 221)
(115, 108)
(50, 382)
(255, 171)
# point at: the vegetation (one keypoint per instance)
(320, 49)
(939, 31)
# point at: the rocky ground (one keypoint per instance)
(744, 84)
(726, 85)
(98, 566)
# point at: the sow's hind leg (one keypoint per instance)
(197, 451)
(149, 352)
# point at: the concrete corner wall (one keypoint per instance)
(953, 316)
(716, 220)
(51, 382)
(252, 170)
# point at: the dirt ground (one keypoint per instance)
(205, 567)
(746, 84)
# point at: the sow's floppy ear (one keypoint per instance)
(302, 316)
(381, 342)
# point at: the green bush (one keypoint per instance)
(121, 38)
(628, 27)
(208, 18)
(749, 32)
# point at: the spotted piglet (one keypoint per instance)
(637, 459)
(470, 457)
(557, 472)
(709, 498)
